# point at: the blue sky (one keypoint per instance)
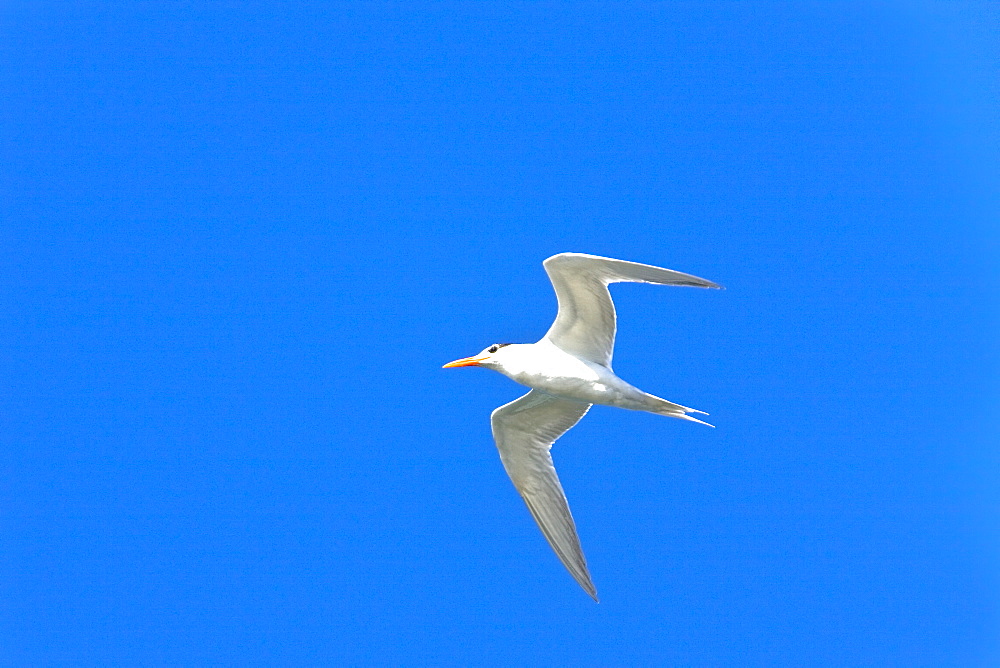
(240, 239)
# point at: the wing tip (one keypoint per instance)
(586, 584)
(583, 579)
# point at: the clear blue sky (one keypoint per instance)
(239, 240)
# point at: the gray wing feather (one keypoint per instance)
(585, 325)
(525, 430)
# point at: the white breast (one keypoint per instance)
(543, 366)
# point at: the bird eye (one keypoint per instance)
(494, 348)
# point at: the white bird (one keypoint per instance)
(568, 370)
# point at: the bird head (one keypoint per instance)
(488, 357)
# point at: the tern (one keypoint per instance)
(568, 371)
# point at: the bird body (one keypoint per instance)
(545, 367)
(568, 370)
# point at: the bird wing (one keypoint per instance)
(585, 324)
(525, 430)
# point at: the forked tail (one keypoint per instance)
(670, 409)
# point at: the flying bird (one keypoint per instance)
(568, 371)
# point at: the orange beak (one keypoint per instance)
(465, 361)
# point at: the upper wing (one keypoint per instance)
(585, 324)
(525, 430)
